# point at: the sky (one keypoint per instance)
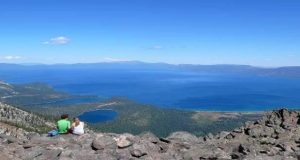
(252, 32)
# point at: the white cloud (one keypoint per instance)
(156, 47)
(109, 59)
(61, 40)
(11, 57)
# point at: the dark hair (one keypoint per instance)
(64, 116)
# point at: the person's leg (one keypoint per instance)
(70, 131)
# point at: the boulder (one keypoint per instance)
(123, 141)
(184, 137)
(239, 130)
(257, 131)
(49, 154)
(142, 148)
(223, 134)
(104, 142)
(149, 137)
(30, 153)
(137, 153)
(9, 139)
(84, 155)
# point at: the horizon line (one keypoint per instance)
(136, 61)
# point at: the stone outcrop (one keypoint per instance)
(275, 136)
(14, 120)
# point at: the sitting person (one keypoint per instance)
(63, 125)
(77, 127)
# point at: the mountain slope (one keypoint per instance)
(6, 89)
(275, 136)
(22, 119)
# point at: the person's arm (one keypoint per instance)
(72, 125)
(83, 128)
(69, 125)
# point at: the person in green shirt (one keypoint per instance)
(63, 125)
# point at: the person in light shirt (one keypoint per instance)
(77, 126)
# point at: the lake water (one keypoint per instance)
(171, 88)
(98, 116)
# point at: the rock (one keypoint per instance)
(208, 137)
(239, 130)
(278, 129)
(149, 137)
(50, 154)
(9, 139)
(286, 136)
(249, 124)
(30, 153)
(183, 136)
(123, 142)
(163, 147)
(85, 155)
(275, 136)
(286, 146)
(230, 136)
(206, 152)
(145, 147)
(85, 141)
(257, 131)
(223, 134)
(137, 153)
(181, 146)
(267, 141)
(6, 156)
(104, 142)
(243, 149)
(165, 140)
(291, 121)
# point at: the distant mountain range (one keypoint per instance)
(286, 71)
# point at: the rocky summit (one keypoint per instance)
(275, 136)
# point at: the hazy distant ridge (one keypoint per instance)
(289, 71)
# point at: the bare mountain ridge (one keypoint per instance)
(275, 136)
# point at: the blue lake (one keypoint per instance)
(170, 88)
(98, 116)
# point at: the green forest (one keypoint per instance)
(132, 117)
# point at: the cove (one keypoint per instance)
(97, 116)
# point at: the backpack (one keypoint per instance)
(52, 133)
